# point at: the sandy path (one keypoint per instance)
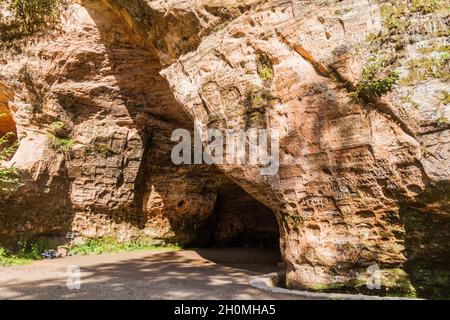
(145, 275)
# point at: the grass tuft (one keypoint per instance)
(111, 245)
(59, 137)
(25, 253)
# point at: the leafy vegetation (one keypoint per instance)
(24, 254)
(408, 99)
(256, 104)
(35, 12)
(266, 73)
(424, 6)
(56, 128)
(445, 97)
(62, 144)
(373, 85)
(432, 284)
(8, 259)
(442, 119)
(9, 180)
(110, 245)
(387, 48)
(59, 137)
(5, 150)
(29, 17)
(427, 68)
(265, 67)
(399, 17)
(101, 149)
(434, 48)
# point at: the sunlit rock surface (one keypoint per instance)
(360, 183)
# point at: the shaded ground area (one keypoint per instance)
(200, 274)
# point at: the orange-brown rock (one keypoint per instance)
(362, 182)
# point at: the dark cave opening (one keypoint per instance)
(241, 220)
(244, 232)
(238, 220)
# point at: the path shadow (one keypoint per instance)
(262, 260)
(165, 275)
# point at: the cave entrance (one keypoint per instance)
(245, 233)
(241, 220)
(238, 222)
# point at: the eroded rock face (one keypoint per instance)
(361, 183)
(99, 80)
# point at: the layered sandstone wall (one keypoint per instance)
(96, 76)
(363, 180)
(356, 182)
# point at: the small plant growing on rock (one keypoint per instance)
(434, 48)
(427, 68)
(424, 6)
(59, 137)
(408, 100)
(445, 97)
(101, 149)
(9, 180)
(442, 119)
(256, 104)
(372, 86)
(375, 87)
(265, 67)
(6, 148)
(389, 46)
(265, 73)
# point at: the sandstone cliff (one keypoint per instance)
(357, 89)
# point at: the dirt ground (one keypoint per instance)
(185, 274)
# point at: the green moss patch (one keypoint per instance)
(394, 282)
(388, 48)
(265, 67)
(256, 105)
(427, 68)
(59, 137)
